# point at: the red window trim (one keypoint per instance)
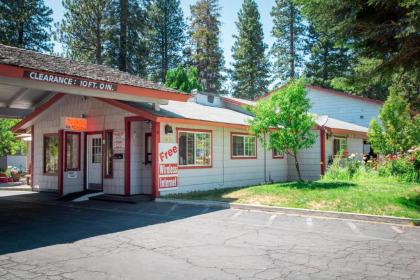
(65, 151)
(178, 130)
(277, 157)
(45, 135)
(243, 157)
(105, 152)
(146, 147)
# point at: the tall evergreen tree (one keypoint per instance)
(250, 74)
(26, 24)
(85, 29)
(127, 46)
(288, 31)
(207, 55)
(329, 57)
(166, 37)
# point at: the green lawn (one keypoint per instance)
(374, 196)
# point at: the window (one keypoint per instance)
(50, 154)
(340, 145)
(148, 148)
(277, 154)
(194, 148)
(72, 151)
(109, 153)
(244, 146)
(97, 150)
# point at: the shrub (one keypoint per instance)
(405, 167)
(345, 168)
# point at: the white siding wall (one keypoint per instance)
(343, 108)
(100, 117)
(141, 174)
(309, 162)
(226, 172)
(355, 146)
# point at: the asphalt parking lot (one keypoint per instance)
(41, 238)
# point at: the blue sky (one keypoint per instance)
(229, 13)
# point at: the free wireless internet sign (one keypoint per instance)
(168, 166)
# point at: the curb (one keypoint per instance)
(297, 211)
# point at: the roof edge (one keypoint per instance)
(331, 91)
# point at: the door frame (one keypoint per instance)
(85, 169)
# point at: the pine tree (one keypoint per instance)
(127, 47)
(85, 29)
(250, 67)
(26, 24)
(207, 55)
(166, 37)
(329, 57)
(288, 31)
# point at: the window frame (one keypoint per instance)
(232, 134)
(44, 172)
(277, 157)
(105, 153)
(340, 138)
(195, 131)
(66, 169)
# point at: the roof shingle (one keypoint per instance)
(44, 62)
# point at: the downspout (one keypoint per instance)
(322, 143)
(265, 160)
(223, 157)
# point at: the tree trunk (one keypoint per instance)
(297, 166)
(20, 42)
(123, 35)
(292, 41)
(98, 43)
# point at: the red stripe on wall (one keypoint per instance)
(60, 162)
(322, 138)
(32, 156)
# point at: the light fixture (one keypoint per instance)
(168, 129)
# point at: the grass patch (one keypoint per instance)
(376, 196)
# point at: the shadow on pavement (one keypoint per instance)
(34, 220)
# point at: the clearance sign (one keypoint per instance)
(68, 81)
(168, 166)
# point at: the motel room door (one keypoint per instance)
(94, 161)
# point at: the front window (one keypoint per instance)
(50, 154)
(194, 148)
(277, 154)
(244, 146)
(72, 151)
(340, 146)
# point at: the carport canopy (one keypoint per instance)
(29, 79)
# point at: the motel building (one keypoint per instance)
(96, 128)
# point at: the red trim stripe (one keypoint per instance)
(60, 183)
(322, 141)
(38, 111)
(155, 158)
(32, 156)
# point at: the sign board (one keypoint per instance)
(118, 141)
(72, 175)
(75, 124)
(168, 166)
(68, 81)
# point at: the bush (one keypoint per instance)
(405, 167)
(402, 167)
(345, 168)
